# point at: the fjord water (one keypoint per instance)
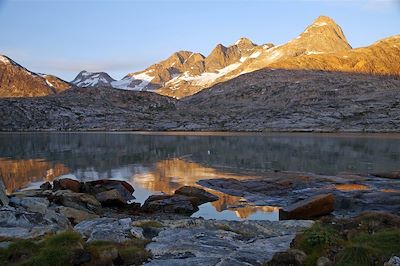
(162, 162)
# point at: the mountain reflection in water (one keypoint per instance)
(157, 162)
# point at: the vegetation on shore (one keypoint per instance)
(69, 248)
(369, 239)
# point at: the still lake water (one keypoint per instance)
(162, 162)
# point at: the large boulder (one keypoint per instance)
(80, 201)
(170, 204)
(199, 195)
(316, 206)
(124, 189)
(67, 183)
(111, 197)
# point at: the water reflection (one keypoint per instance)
(20, 173)
(163, 163)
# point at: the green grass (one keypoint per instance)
(362, 247)
(315, 241)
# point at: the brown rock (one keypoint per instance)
(76, 216)
(46, 186)
(316, 206)
(170, 204)
(111, 198)
(67, 183)
(80, 201)
(97, 186)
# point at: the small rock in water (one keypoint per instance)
(169, 204)
(201, 196)
(316, 206)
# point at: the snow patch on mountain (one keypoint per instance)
(136, 82)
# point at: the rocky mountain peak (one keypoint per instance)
(244, 42)
(90, 79)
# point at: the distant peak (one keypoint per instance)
(324, 20)
(4, 59)
(244, 41)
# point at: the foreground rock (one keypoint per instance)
(317, 206)
(199, 194)
(208, 242)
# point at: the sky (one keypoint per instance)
(120, 36)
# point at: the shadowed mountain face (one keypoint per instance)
(92, 79)
(17, 81)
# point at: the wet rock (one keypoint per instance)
(111, 197)
(309, 208)
(46, 186)
(324, 261)
(107, 229)
(67, 183)
(292, 257)
(125, 190)
(32, 204)
(170, 204)
(200, 195)
(80, 201)
(3, 195)
(76, 216)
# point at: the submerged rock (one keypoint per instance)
(201, 196)
(309, 208)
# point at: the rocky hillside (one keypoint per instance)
(17, 81)
(264, 100)
(93, 79)
(322, 46)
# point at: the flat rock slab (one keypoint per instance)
(209, 242)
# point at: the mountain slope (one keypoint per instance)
(92, 79)
(321, 46)
(17, 81)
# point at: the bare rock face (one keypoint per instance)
(309, 208)
(17, 81)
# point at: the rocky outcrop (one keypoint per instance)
(17, 81)
(314, 207)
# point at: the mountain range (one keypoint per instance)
(321, 46)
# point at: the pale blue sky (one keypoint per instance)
(63, 37)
